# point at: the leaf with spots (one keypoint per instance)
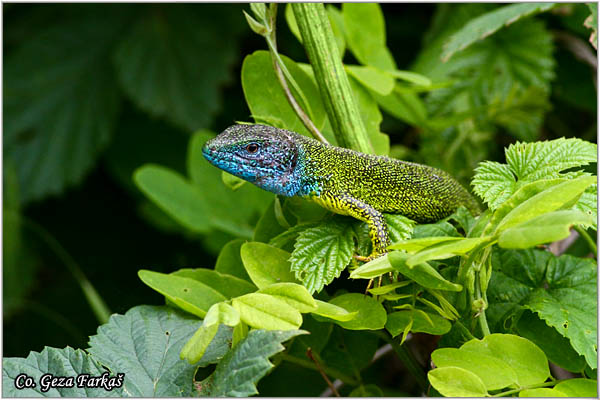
(145, 343)
(322, 252)
(561, 290)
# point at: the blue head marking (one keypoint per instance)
(262, 155)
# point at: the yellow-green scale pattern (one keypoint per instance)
(342, 180)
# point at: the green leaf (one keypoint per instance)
(365, 34)
(399, 227)
(373, 268)
(321, 253)
(416, 245)
(556, 347)
(189, 294)
(548, 200)
(541, 392)
(228, 285)
(578, 387)
(527, 162)
(293, 294)
(174, 195)
(65, 362)
(265, 97)
(372, 78)
(269, 226)
(333, 311)
(367, 391)
(545, 228)
(488, 23)
(411, 77)
(263, 311)
(144, 344)
(371, 314)
(349, 351)
(428, 323)
(447, 249)
(239, 371)
(161, 68)
(441, 228)
(61, 100)
(266, 264)
(561, 290)
(456, 382)
(229, 260)
(423, 273)
(230, 211)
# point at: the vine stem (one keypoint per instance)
(323, 374)
(328, 370)
(539, 385)
(587, 238)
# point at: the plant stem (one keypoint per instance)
(323, 374)
(587, 238)
(328, 370)
(96, 303)
(539, 385)
(407, 358)
(331, 77)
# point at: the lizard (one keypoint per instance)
(341, 180)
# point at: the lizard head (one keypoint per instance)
(260, 154)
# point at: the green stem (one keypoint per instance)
(539, 385)
(331, 77)
(328, 370)
(587, 238)
(96, 303)
(407, 359)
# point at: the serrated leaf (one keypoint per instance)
(561, 290)
(364, 26)
(65, 362)
(371, 314)
(191, 295)
(161, 68)
(456, 382)
(487, 24)
(263, 311)
(545, 228)
(61, 100)
(441, 228)
(321, 253)
(591, 22)
(266, 264)
(239, 371)
(420, 321)
(588, 203)
(293, 294)
(228, 285)
(494, 183)
(144, 344)
(399, 227)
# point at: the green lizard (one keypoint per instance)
(341, 180)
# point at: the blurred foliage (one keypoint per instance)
(94, 92)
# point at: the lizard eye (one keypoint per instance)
(252, 148)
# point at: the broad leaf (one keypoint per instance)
(371, 314)
(65, 362)
(228, 285)
(423, 273)
(144, 344)
(456, 382)
(239, 371)
(418, 320)
(333, 311)
(191, 295)
(230, 262)
(61, 100)
(321, 253)
(161, 68)
(263, 311)
(293, 294)
(561, 290)
(266, 264)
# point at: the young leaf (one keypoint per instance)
(545, 228)
(321, 253)
(239, 371)
(333, 311)
(263, 311)
(415, 245)
(230, 262)
(423, 273)
(447, 249)
(57, 362)
(365, 33)
(456, 382)
(371, 314)
(428, 323)
(486, 24)
(191, 295)
(578, 387)
(266, 264)
(228, 285)
(373, 268)
(144, 344)
(293, 294)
